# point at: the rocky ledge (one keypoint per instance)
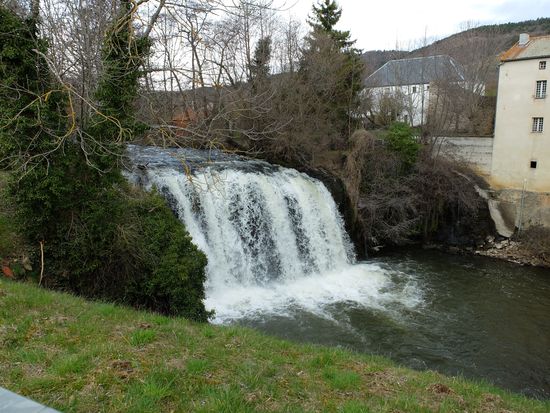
(502, 249)
(512, 251)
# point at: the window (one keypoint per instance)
(540, 92)
(414, 89)
(537, 124)
(533, 164)
(542, 65)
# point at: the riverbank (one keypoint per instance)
(513, 251)
(78, 356)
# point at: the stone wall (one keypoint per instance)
(476, 152)
(523, 209)
(510, 208)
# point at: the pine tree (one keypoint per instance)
(325, 17)
(259, 69)
(344, 100)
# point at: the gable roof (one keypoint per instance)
(416, 71)
(537, 47)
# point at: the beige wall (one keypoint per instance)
(514, 143)
(475, 151)
(523, 209)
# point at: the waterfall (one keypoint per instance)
(269, 232)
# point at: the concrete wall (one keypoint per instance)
(515, 145)
(523, 209)
(476, 152)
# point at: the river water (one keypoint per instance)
(279, 260)
(469, 316)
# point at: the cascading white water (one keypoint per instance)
(257, 227)
(273, 236)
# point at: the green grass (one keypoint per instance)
(79, 356)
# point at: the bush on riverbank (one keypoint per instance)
(400, 192)
(536, 242)
(91, 232)
(79, 356)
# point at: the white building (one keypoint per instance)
(405, 84)
(521, 149)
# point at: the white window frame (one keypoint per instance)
(538, 125)
(540, 89)
(542, 65)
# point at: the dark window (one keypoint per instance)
(533, 164)
(414, 89)
(542, 65)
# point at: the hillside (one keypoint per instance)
(475, 43)
(79, 356)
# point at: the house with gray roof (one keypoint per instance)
(403, 86)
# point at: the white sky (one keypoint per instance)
(383, 24)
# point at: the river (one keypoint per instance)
(463, 316)
(279, 260)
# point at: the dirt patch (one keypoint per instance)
(122, 368)
(440, 389)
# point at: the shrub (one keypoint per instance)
(397, 201)
(174, 269)
(400, 139)
(117, 243)
(536, 240)
(101, 237)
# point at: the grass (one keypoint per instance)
(79, 356)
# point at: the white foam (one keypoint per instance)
(358, 285)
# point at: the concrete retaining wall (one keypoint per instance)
(524, 209)
(475, 151)
(515, 208)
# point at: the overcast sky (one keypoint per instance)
(383, 24)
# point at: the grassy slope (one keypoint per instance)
(91, 357)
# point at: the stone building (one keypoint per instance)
(521, 149)
(403, 86)
(520, 170)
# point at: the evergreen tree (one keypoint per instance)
(325, 16)
(260, 63)
(114, 122)
(344, 96)
(99, 236)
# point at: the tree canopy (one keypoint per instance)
(326, 15)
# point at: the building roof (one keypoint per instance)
(416, 71)
(535, 48)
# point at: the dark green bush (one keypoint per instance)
(400, 139)
(101, 237)
(174, 267)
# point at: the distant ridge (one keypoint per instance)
(475, 43)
